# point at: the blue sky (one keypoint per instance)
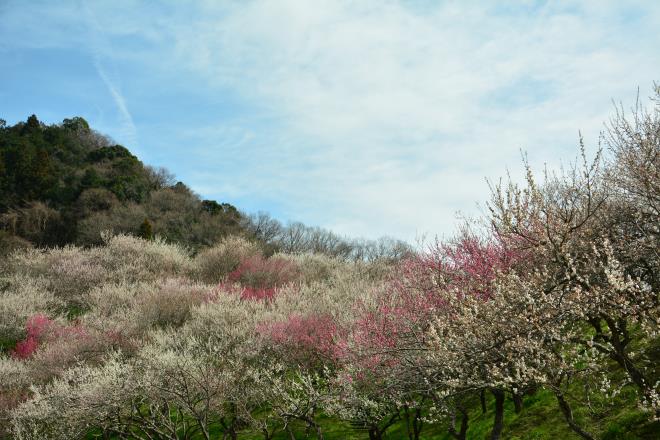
(369, 118)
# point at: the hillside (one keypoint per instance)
(132, 309)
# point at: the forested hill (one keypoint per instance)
(67, 183)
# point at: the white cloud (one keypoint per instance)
(402, 113)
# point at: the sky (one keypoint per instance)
(369, 118)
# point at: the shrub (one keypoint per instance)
(135, 259)
(67, 346)
(14, 383)
(168, 303)
(10, 243)
(22, 298)
(37, 328)
(258, 272)
(146, 231)
(307, 340)
(215, 263)
(316, 267)
(83, 397)
(69, 272)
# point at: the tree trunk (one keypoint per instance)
(517, 401)
(413, 422)
(568, 415)
(311, 424)
(290, 431)
(619, 339)
(459, 435)
(417, 424)
(230, 434)
(374, 433)
(482, 399)
(498, 424)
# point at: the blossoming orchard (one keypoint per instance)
(552, 295)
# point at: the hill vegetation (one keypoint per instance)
(190, 320)
(66, 184)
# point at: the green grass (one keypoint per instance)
(540, 419)
(7, 344)
(618, 418)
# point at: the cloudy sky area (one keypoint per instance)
(369, 118)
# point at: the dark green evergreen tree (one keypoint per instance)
(146, 230)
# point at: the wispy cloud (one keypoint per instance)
(98, 46)
(129, 131)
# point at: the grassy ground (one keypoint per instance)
(618, 418)
(540, 419)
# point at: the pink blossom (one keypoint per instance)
(40, 329)
(264, 273)
(266, 294)
(244, 292)
(308, 338)
(25, 348)
(258, 278)
(37, 325)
